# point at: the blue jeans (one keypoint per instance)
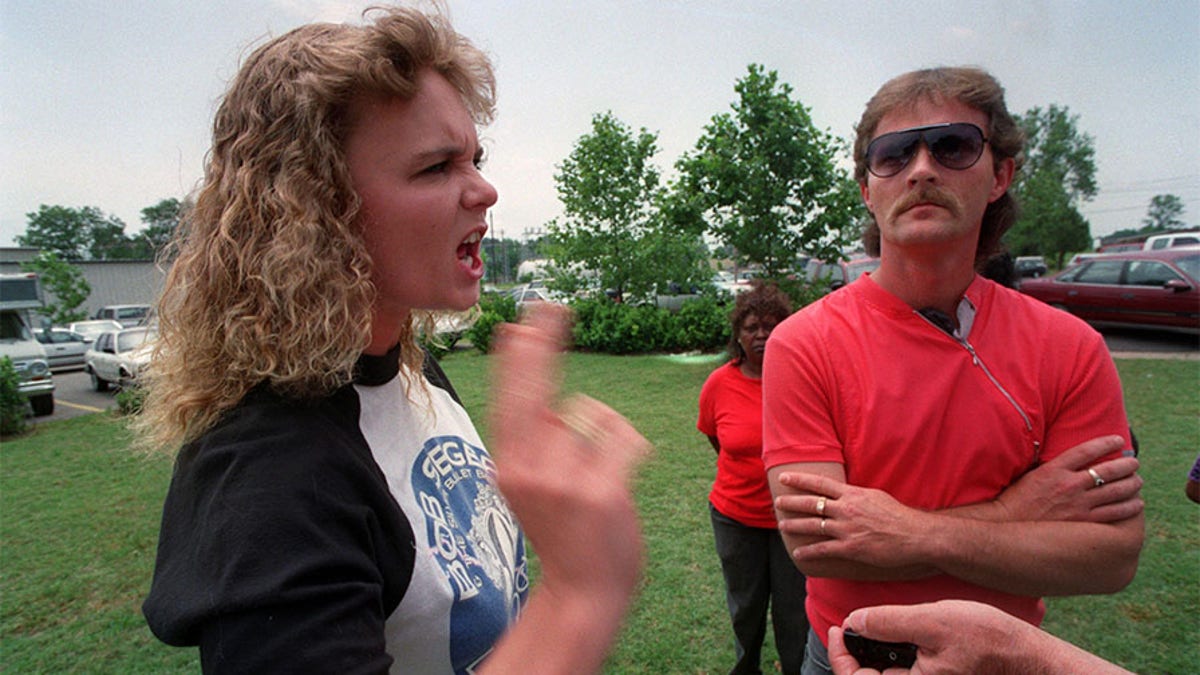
(760, 574)
(816, 657)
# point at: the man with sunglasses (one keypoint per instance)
(928, 433)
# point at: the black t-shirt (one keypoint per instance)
(357, 533)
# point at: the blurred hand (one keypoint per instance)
(565, 470)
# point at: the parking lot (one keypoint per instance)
(73, 396)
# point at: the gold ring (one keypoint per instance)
(582, 427)
(823, 526)
(820, 506)
(1095, 477)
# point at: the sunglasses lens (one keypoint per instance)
(888, 154)
(957, 146)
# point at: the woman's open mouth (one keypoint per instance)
(468, 251)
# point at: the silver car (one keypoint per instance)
(65, 349)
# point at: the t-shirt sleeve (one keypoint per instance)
(272, 551)
(706, 422)
(1090, 402)
(800, 407)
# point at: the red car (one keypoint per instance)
(1147, 288)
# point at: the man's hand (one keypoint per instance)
(1064, 489)
(957, 636)
(849, 523)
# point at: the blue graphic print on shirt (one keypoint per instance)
(476, 542)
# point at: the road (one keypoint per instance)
(74, 395)
(1133, 342)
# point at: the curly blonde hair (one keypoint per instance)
(271, 280)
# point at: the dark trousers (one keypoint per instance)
(759, 573)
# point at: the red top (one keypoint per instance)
(862, 379)
(731, 410)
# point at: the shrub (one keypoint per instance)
(130, 399)
(480, 333)
(602, 325)
(702, 325)
(608, 327)
(494, 309)
(12, 404)
(439, 345)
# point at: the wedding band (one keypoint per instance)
(823, 526)
(582, 427)
(820, 506)
(1095, 477)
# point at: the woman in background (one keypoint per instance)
(758, 571)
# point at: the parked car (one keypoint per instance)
(127, 315)
(725, 281)
(65, 349)
(116, 357)
(1120, 247)
(1161, 241)
(533, 292)
(672, 295)
(1141, 288)
(90, 330)
(1030, 266)
(840, 273)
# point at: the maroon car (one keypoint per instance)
(1140, 288)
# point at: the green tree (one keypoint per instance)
(60, 229)
(1164, 214)
(75, 234)
(612, 225)
(1058, 177)
(65, 283)
(1047, 212)
(109, 242)
(1055, 145)
(160, 222)
(765, 179)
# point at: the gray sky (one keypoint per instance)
(109, 104)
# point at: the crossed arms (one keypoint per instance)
(1053, 532)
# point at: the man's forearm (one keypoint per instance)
(1036, 558)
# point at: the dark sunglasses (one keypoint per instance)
(955, 146)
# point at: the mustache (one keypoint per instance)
(928, 194)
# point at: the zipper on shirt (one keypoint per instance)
(978, 362)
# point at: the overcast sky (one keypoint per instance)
(109, 104)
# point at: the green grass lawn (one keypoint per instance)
(79, 516)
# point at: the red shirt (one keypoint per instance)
(731, 410)
(862, 379)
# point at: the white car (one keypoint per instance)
(116, 357)
(90, 330)
(531, 293)
(127, 315)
